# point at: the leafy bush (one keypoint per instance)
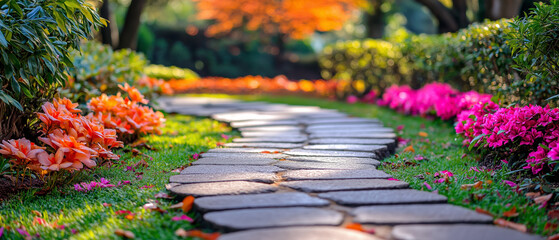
(535, 43)
(98, 69)
(35, 39)
(167, 73)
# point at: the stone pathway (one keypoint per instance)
(302, 172)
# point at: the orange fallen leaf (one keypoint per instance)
(355, 226)
(125, 234)
(477, 185)
(532, 195)
(508, 224)
(423, 134)
(203, 235)
(488, 182)
(542, 200)
(409, 149)
(482, 211)
(129, 217)
(187, 203)
(267, 152)
(511, 213)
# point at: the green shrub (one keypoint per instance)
(35, 40)
(167, 73)
(535, 43)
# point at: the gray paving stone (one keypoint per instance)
(319, 165)
(348, 147)
(352, 130)
(354, 135)
(334, 174)
(326, 153)
(299, 233)
(334, 160)
(249, 116)
(346, 184)
(383, 197)
(264, 145)
(458, 232)
(237, 154)
(234, 161)
(344, 126)
(391, 143)
(262, 123)
(271, 129)
(264, 200)
(273, 217)
(418, 213)
(244, 150)
(273, 134)
(271, 139)
(221, 188)
(220, 169)
(340, 120)
(224, 177)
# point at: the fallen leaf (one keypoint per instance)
(478, 197)
(508, 224)
(542, 200)
(107, 204)
(532, 195)
(39, 221)
(125, 234)
(408, 149)
(181, 233)
(355, 226)
(141, 163)
(129, 217)
(203, 235)
(554, 237)
(511, 213)
(187, 203)
(477, 185)
(182, 218)
(446, 145)
(136, 152)
(162, 195)
(423, 134)
(550, 227)
(176, 206)
(482, 211)
(553, 214)
(37, 213)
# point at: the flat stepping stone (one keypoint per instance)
(344, 126)
(264, 145)
(248, 116)
(458, 232)
(344, 185)
(244, 150)
(271, 139)
(299, 233)
(234, 161)
(352, 130)
(348, 147)
(237, 154)
(418, 213)
(326, 153)
(356, 160)
(354, 135)
(225, 177)
(264, 200)
(227, 169)
(262, 123)
(271, 129)
(273, 134)
(334, 174)
(380, 197)
(317, 165)
(390, 143)
(273, 217)
(221, 188)
(329, 121)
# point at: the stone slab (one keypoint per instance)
(264, 145)
(334, 174)
(318, 165)
(225, 169)
(390, 143)
(326, 153)
(330, 121)
(271, 139)
(418, 213)
(383, 197)
(221, 188)
(236, 154)
(243, 150)
(262, 123)
(249, 116)
(458, 232)
(348, 147)
(343, 126)
(264, 200)
(352, 130)
(344, 185)
(273, 217)
(354, 135)
(271, 129)
(299, 233)
(273, 134)
(224, 177)
(356, 160)
(234, 161)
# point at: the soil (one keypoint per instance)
(8, 188)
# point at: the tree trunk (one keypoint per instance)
(108, 32)
(460, 7)
(447, 22)
(497, 9)
(129, 35)
(375, 20)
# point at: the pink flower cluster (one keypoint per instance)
(370, 97)
(514, 130)
(439, 99)
(103, 183)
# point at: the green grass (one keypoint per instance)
(442, 150)
(84, 212)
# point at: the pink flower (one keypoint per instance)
(392, 179)
(146, 186)
(427, 185)
(475, 169)
(352, 99)
(182, 218)
(511, 184)
(23, 232)
(195, 156)
(370, 97)
(1, 231)
(226, 137)
(400, 128)
(418, 157)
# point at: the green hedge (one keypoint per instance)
(479, 58)
(167, 73)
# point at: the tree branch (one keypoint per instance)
(447, 22)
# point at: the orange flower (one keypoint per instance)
(68, 149)
(133, 93)
(67, 104)
(22, 150)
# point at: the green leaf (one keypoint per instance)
(9, 100)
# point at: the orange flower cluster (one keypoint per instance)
(155, 85)
(126, 115)
(256, 84)
(73, 140)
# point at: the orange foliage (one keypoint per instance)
(295, 18)
(155, 85)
